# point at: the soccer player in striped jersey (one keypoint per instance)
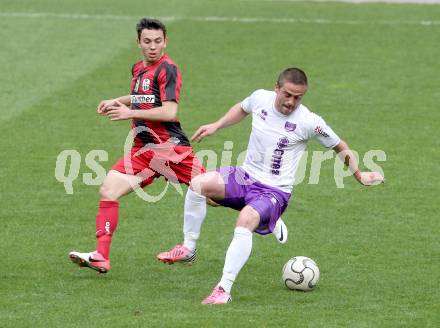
(160, 146)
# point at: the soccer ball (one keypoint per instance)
(300, 273)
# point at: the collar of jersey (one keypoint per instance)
(161, 59)
(279, 114)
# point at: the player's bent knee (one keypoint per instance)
(209, 184)
(251, 225)
(196, 185)
(248, 218)
(108, 193)
(213, 186)
(214, 191)
(117, 184)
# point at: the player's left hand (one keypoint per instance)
(204, 131)
(370, 178)
(119, 112)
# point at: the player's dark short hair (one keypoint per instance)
(150, 24)
(293, 75)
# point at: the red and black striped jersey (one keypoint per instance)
(150, 86)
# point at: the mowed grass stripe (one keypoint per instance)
(226, 19)
(57, 54)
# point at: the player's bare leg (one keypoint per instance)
(117, 184)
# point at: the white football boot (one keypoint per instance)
(280, 231)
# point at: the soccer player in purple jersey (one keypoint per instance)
(261, 188)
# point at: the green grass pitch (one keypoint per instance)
(374, 76)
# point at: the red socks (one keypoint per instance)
(106, 223)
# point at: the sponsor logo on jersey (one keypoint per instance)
(146, 84)
(289, 126)
(142, 99)
(277, 156)
(320, 131)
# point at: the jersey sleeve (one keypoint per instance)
(250, 103)
(170, 83)
(322, 132)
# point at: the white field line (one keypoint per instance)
(220, 19)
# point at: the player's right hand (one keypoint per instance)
(204, 131)
(104, 105)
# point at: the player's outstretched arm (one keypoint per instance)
(233, 116)
(347, 156)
